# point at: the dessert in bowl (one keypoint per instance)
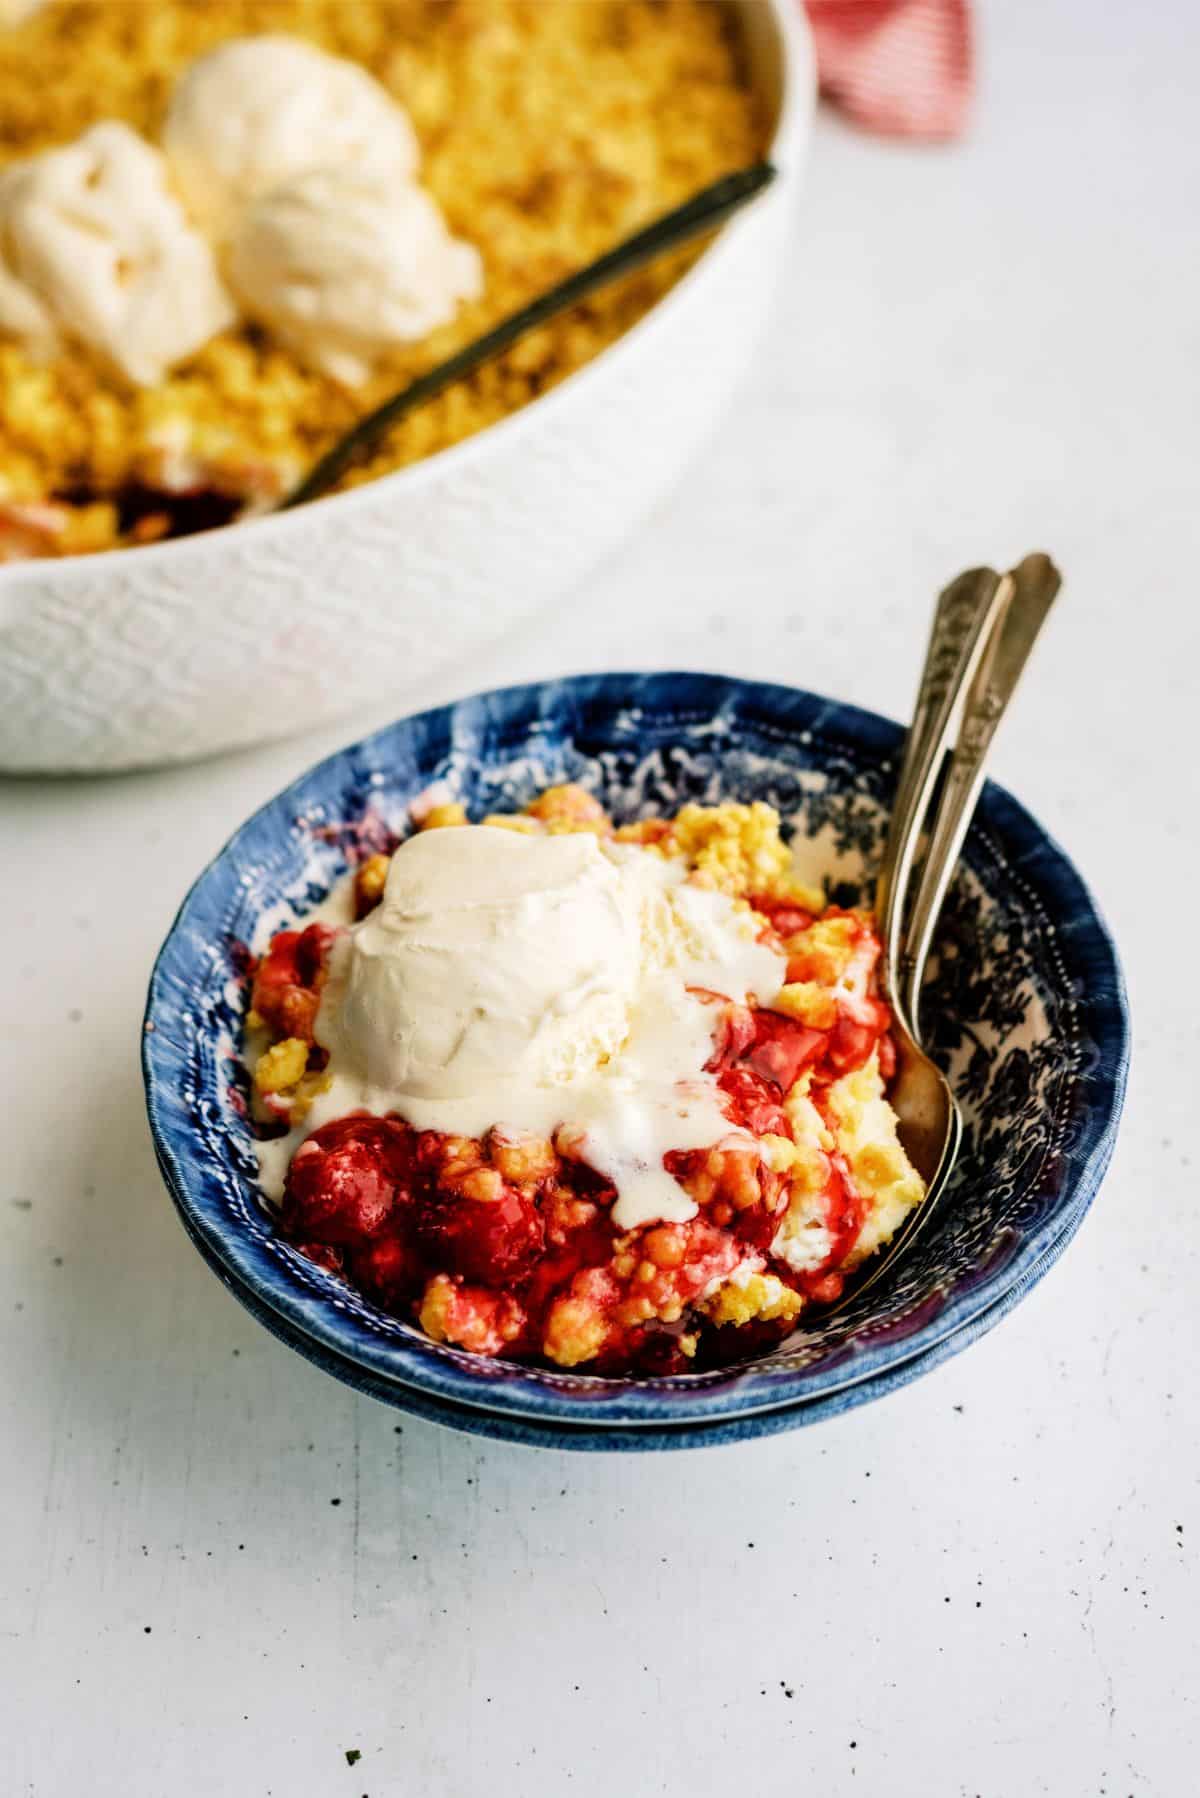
(190, 313)
(580, 1094)
(384, 1280)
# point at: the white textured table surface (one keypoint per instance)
(219, 1570)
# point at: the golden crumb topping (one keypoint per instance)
(444, 817)
(281, 1066)
(865, 1123)
(547, 132)
(761, 1298)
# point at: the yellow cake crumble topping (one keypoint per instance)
(546, 133)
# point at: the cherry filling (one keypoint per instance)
(786, 918)
(845, 1211)
(753, 1102)
(346, 1179)
(147, 514)
(394, 1206)
(287, 987)
(509, 1249)
(783, 1048)
(496, 1243)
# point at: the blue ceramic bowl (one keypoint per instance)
(1025, 1009)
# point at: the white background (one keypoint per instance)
(220, 1570)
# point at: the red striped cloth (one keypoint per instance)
(901, 67)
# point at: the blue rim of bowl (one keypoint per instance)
(462, 1380)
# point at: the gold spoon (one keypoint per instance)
(984, 627)
(703, 212)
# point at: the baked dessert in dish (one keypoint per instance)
(597, 1097)
(229, 228)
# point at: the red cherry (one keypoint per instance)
(852, 1040)
(783, 1048)
(311, 951)
(286, 987)
(753, 1102)
(343, 1181)
(494, 1243)
(731, 1038)
(389, 1269)
(788, 919)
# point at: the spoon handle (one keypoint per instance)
(703, 212)
(1030, 591)
(963, 618)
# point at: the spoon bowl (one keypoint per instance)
(929, 1123)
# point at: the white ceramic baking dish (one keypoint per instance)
(176, 650)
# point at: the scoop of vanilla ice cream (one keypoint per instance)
(93, 245)
(22, 313)
(341, 265)
(257, 111)
(538, 982)
(492, 957)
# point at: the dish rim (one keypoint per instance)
(797, 91)
(415, 1362)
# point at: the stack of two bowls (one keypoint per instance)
(1025, 1009)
